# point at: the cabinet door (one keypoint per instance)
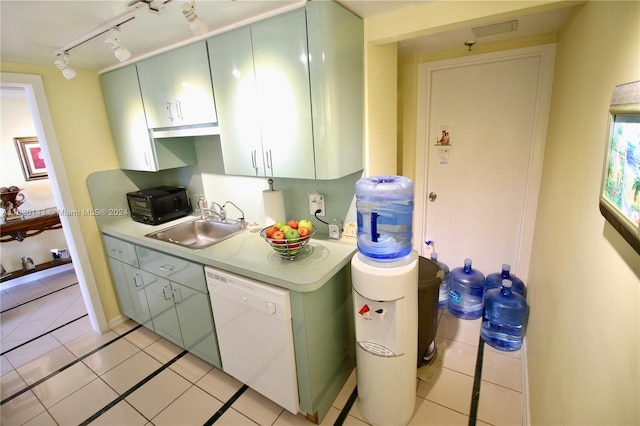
(131, 137)
(233, 76)
(130, 291)
(196, 323)
(176, 87)
(281, 63)
(161, 306)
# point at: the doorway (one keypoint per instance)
(482, 124)
(34, 90)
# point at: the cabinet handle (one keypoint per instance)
(179, 110)
(269, 161)
(164, 293)
(167, 268)
(173, 296)
(116, 251)
(254, 163)
(137, 280)
(169, 109)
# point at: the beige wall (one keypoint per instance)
(584, 289)
(584, 334)
(84, 139)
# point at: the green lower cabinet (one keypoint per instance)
(130, 291)
(161, 304)
(324, 342)
(196, 323)
(183, 316)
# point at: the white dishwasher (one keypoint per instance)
(255, 336)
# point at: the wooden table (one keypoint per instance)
(19, 229)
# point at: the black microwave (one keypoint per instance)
(158, 205)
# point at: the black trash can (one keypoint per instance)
(429, 279)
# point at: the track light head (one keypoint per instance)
(63, 65)
(122, 53)
(196, 24)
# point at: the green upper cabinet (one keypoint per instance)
(176, 88)
(289, 92)
(134, 145)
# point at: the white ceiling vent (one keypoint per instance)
(493, 29)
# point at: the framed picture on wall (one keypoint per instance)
(31, 158)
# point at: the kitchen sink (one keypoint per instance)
(199, 233)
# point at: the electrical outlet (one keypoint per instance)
(316, 202)
(350, 229)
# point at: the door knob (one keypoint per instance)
(432, 196)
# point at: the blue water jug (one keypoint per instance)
(494, 280)
(504, 319)
(466, 291)
(443, 292)
(384, 207)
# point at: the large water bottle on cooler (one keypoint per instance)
(385, 217)
(466, 291)
(504, 319)
(443, 293)
(494, 280)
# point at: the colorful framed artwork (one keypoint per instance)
(31, 158)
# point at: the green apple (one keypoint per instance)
(292, 235)
(304, 223)
(279, 224)
(285, 228)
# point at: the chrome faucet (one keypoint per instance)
(222, 214)
(242, 221)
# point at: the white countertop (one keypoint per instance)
(249, 255)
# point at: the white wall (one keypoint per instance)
(17, 122)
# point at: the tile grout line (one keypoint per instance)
(61, 369)
(39, 297)
(43, 334)
(133, 389)
(477, 380)
(347, 407)
(226, 406)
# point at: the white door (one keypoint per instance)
(483, 125)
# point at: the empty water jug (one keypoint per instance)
(504, 319)
(466, 291)
(494, 280)
(385, 217)
(443, 293)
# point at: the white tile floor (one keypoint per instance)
(42, 383)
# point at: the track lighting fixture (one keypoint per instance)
(63, 64)
(196, 24)
(122, 53)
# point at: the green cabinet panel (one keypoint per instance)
(233, 76)
(196, 323)
(176, 88)
(161, 304)
(122, 98)
(120, 250)
(130, 291)
(324, 341)
(290, 94)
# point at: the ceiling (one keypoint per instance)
(30, 31)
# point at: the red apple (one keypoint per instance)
(304, 232)
(270, 231)
(293, 224)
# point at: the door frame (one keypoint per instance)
(43, 123)
(546, 53)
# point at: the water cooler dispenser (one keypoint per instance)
(385, 297)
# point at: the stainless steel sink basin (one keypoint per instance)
(198, 233)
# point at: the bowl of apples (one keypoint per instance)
(288, 238)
